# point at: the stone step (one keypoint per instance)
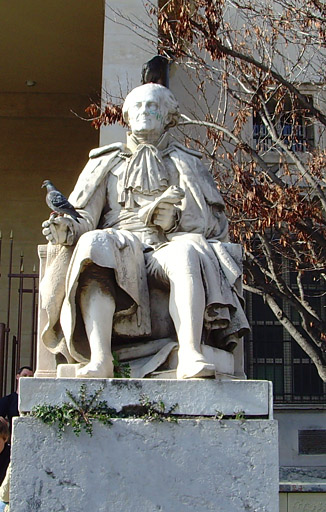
(195, 397)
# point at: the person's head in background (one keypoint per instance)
(24, 371)
(4, 433)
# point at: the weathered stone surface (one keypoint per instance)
(303, 479)
(196, 465)
(199, 397)
(303, 501)
(306, 502)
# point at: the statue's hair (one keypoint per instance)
(167, 99)
(4, 429)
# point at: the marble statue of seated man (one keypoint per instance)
(152, 216)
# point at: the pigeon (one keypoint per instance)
(58, 202)
(156, 71)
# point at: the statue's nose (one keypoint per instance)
(144, 110)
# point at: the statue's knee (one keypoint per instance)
(184, 258)
(186, 251)
(90, 237)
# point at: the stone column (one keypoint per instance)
(124, 53)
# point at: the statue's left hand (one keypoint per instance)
(164, 215)
(57, 229)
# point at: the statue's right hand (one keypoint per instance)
(56, 229)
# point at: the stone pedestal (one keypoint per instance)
(198, 464)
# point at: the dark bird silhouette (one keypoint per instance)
(156, 71)
(58, 202)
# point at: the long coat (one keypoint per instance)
(201, 218)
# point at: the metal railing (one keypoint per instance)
(18, 328)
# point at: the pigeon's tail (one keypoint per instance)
(75, 215)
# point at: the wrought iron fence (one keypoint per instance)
(18, 328)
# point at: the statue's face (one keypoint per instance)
(147, 117)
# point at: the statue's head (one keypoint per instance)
(150, 110)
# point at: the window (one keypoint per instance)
(272, 354)
(293, 126)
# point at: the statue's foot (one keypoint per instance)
(96, 371)
(195, 369)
